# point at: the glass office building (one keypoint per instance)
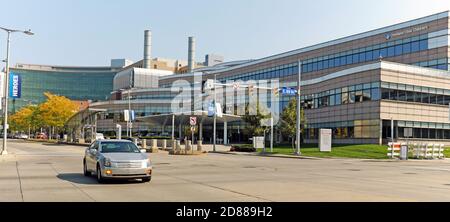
(75, 83)
(357, 85)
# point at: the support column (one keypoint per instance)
(179, 132)
(225, 133)
(173, 127)
(200, 131)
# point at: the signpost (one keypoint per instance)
(193, 122)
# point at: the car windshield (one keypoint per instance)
(119, 147)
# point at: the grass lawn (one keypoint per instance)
(363, 151)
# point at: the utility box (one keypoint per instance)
(325, 137)
(404, 152)
(258, 142)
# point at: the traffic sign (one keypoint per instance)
(193, 120)
(209, 84)
(288, 91)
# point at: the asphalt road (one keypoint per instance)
(48, 172)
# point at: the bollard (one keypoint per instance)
(199, 145)
(144, 143)
(178, 145)
(173, 144)
(154, 144)
(164, 144)
(188, 145)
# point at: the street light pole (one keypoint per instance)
(298, 152)
(215, 114)
(129, 115)
(6, 85)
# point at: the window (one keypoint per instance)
(423, 44)
(398, 50)
(355, 58)
(369, 56)
(407, 48)
(410, 96)
(331, 100)
(338, 99)
(390, 51)
(362, 57)
(415, 47)
(383, 52)
(376, 54)
(345, 98)
(325, 64)
(425, 98)
(343, 61)
(375, 94)
(352, 97)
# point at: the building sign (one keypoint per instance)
(15, 86)
(396, 34)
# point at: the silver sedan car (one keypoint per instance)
(116, 159)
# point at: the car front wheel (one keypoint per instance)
(85, 170)
(99, 175)
(147, 179)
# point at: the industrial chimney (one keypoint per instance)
(147, 49)
(191, 55)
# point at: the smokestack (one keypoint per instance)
(147, 49)
(191, 54)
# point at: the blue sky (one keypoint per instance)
(91, 32)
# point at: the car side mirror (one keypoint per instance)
(143, 151)
(94, 151)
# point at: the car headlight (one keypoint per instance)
(107, 163)
(147, 163)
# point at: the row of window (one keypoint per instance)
(345, 95)
(435, 63)
(271, 73)
(418, 94)
(420, 130)
(350, 132)
(366, 56)
(387, 49)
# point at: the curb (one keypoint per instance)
(269, 155)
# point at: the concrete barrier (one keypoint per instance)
(144, 143)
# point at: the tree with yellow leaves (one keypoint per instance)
(56, 111)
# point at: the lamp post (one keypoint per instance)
(6, 85)
(299, 107)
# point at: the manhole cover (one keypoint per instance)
(249, 167)
(411, 173)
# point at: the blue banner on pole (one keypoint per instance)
(15, 86)
(211, 109)
(132, 115)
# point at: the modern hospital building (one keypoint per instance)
(356, 86)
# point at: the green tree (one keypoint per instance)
(288, 121)
(253, 117)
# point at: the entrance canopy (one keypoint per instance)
(183, 118)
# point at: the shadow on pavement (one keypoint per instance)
(79, 178)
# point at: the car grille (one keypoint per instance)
(129, 165)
